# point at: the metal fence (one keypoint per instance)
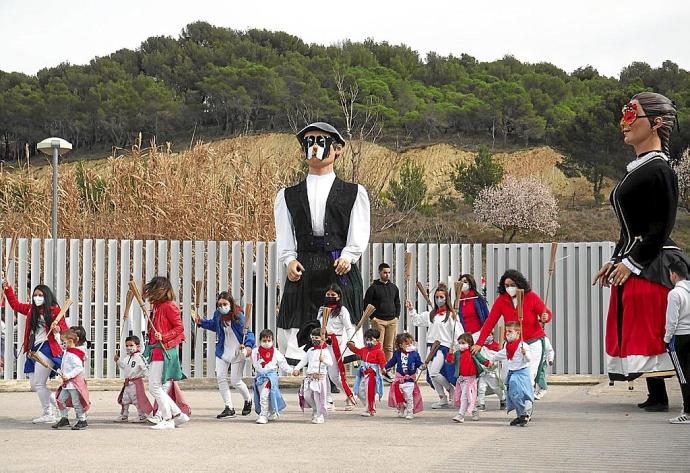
(95, 273)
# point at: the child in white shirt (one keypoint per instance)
(314, 389)
(516, 355)
(134, 369)
(268, 401)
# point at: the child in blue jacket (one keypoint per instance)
(404, 394)
(232, 351)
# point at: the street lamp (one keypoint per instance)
(54, 146)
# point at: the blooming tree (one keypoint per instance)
(518, 205)
(682, 167)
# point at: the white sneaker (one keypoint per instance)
(409, 416)
(44, 419)
(272, 416)
(164, 425)
(181, 419)
(365, 414)
(681, 419)
(441, 404)
(120, 419)
(262, 420)
(459, 419)
(319, 419)
(539, 394)
(154, 419)
(475, 415)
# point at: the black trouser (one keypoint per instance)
(657, 391)
(681, 361)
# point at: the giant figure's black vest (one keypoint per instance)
(336, 223)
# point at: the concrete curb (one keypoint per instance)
(110, 384)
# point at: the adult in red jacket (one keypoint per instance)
(43, 336)
(534, 313)
(165, 333)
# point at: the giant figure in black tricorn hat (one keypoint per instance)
(322, 228)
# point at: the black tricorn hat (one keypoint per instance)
(321, 126)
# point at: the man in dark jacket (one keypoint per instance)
(385, 296)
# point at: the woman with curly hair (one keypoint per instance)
(645, 203)
(535, 313)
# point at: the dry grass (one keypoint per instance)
(224, 190)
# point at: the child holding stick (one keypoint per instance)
(73, 391)
(516, 354)
(368, 380)
(314, 389)
(404, 394)
(467, 368)
(133, 368)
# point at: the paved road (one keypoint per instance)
(575, 428)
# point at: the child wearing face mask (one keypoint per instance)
(314, 389)
(339, 326)
(134, 369)
(41, 336)
(490, 378)
(443, 325)
(472, 307)
(232, 350)
(516, 355)
(368, 380)
(468, 368)
(73, 391)
(404, 394)
(268, 400)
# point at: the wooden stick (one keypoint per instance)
(10, 258)
(41, 361)
(458, 290)
(198, 293)
(140, 300)
(552, 269)
(424, 293)
(408, 266)
(247, 318)
(430, 356)
(370, 309)
(324, 322)
(125, 317)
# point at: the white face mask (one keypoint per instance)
(130, 350)
(410, 348)
(512, 291)
(440, 301)
(266, 345)
(38, 300)
(511, 337)
(224, 309)
(464, 346)
(465, 287)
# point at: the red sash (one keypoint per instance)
(341, 365)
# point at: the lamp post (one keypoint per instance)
(56, 147)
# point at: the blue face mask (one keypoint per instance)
(440, 301)
(224, 309)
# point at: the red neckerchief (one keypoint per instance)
(320, 347)
(230, 317)
(79, 353)
(441, 310)
(266, 355)
(511, 347)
